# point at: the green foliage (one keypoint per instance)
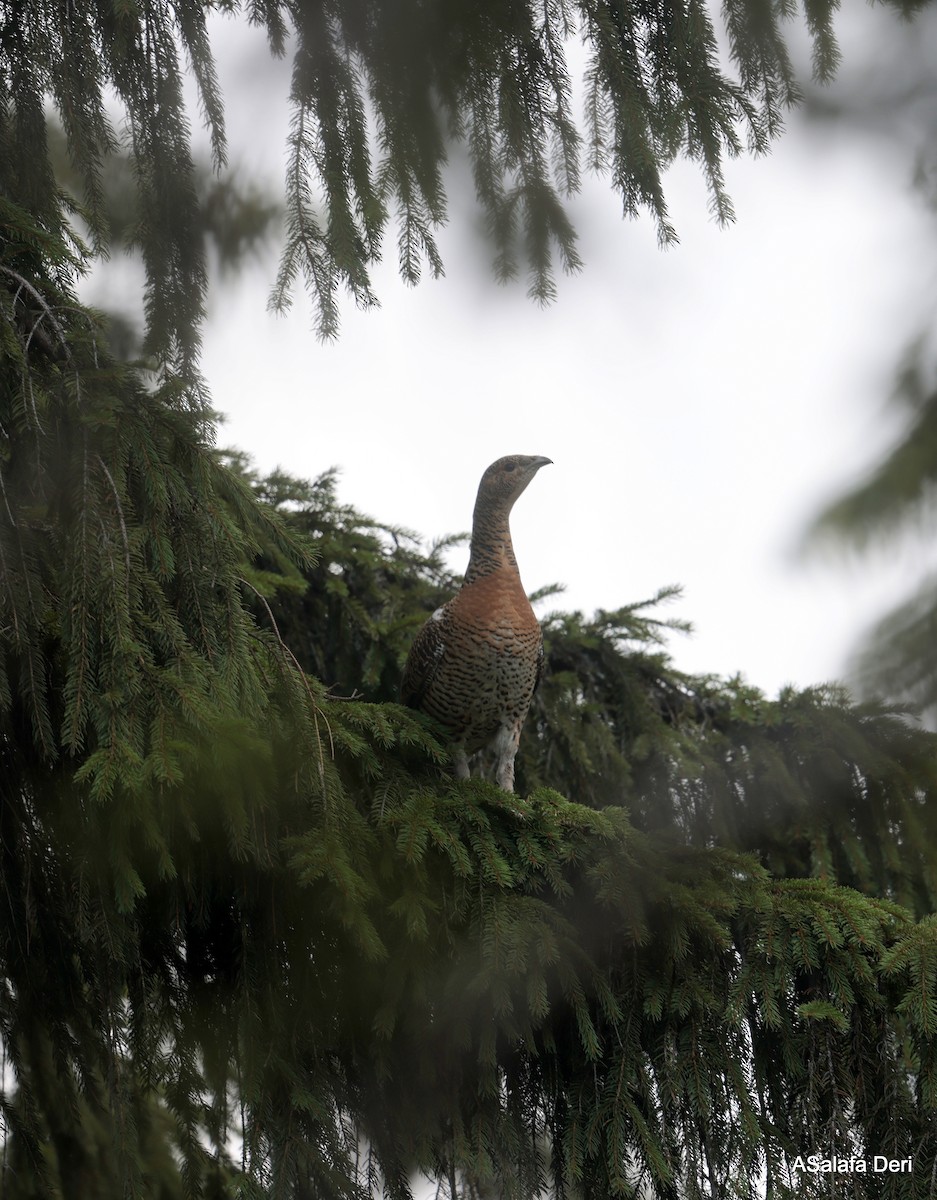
(349, 616)
(378, 92)
(254, 940)
(255, 910)
(280, 920)
(745, 988)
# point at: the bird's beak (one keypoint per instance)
(542, 462)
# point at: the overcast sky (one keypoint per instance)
(699, 404)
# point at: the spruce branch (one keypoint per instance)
(300, 674)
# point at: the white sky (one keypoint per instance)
(699, 404)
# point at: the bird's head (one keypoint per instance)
(505, 479)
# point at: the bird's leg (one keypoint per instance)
(460, 762)
(506, 774)
(506, 746)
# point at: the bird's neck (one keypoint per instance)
(492, 549)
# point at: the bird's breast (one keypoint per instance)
(496, 608)
(485, 646)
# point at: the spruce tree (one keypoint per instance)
(255, 940)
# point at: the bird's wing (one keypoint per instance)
(424, 658)
(539, 673)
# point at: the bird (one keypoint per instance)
(475, 663)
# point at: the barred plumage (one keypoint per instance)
(475, 663)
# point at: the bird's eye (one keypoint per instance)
(509, 466)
